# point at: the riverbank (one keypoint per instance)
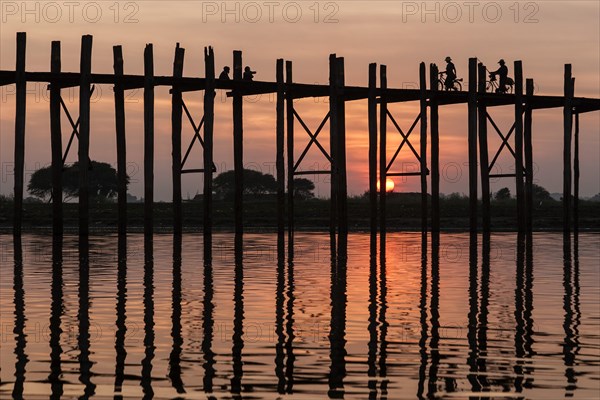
(403, 213)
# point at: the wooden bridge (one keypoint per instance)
(286, 90)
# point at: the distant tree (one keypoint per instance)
(541, 194)
(102, 182)
(502, 194)
(303, 188)
(255, 183)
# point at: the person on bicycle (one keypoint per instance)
(450, 73)
(502, 72)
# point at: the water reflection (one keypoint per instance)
(56, 312)
(21, 337)
(238, 318)
(176, 348)
(386, 319)
(149, 348)
(337, 332)
(572, 311)
(208, 323)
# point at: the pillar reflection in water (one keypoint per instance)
(337, 333)
(83, 318)
(176, 348)
(208, 321)
(19, 330)
(149, 348)
(523, 313)
(121, 323)
(572, 311)
(377, 323)
(238, 317)
(57, 310)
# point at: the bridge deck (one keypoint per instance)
(297, 90)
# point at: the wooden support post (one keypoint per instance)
(209, 118)
(333, 140)
(341, 148)
(56, 143)
(435, 148)
(576, 175)
(472, 143)
(483, 151)
(280, 139)
(238, 145)
(519, 145)
(372, 110)
(176, 113)
(423, 145)
(568, 128)
(289, 102)
(528, 147)
(382, 146)
(121, 144)
(21, 98)
(84, 132)
(148, 140)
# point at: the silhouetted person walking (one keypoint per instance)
(248, 74)
(502, 72)
(450, 74)
(224, 74)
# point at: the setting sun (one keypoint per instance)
(389, 185)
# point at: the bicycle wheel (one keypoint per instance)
(489, 87)
(457, 86)
(509, 89)
(440, 85)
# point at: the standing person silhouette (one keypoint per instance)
(502, 72)
(224, 74)
(450, 74)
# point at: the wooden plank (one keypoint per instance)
(483, 151)
(528, 147)
(84, 133)
(568, 131)
(423, 145)
(148, 139)
(372, 116)
(280, 141)
(56, 144)
(333, 143)
(382, 147)
(435, 148)
(519, 146)
(209, 118)
(176, 114)
(238, 145)
(119, 94)
(472, 143)
(20, 107)
(341, 136)
(289, 102)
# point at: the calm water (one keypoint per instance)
(508, 317)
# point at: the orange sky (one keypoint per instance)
(545, 35)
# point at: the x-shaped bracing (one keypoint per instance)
(74, 126)
(194, 138)
(504, 143)
(313, 139)
(406, 141)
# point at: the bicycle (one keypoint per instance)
(456, 85)
(492, 85)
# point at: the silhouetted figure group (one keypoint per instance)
(247, 76)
